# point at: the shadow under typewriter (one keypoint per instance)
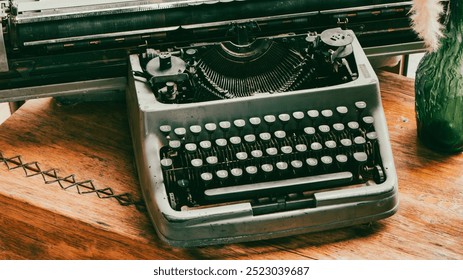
(244, 141)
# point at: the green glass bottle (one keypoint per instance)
(439, 88)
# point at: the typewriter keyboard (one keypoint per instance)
(270, 157)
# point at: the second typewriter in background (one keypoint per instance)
(260, 137)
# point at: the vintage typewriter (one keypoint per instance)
(250, 119)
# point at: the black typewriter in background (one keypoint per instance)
(251, 119)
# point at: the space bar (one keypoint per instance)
(288, 186)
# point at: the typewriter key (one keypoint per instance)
(280, 135)
(166, 163)
(205, 145)
(257, 153)
(272, 151)
(269, 120)
(235, 141)
(265, 137)
(210, 128)
(301, 148)
(330, 144)
(327, 114)
(165, 129)
(191, 148)
(315, 146)
(206, 177)
(342, 111)
(313, 115)
(197, 162)
(242, 156)
(346, 143)
(312, 163)
(296, 165)
(196, 130)
(286, 150)
(250, 138)
(212, 160)
(180, 132)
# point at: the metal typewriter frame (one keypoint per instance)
(236, 222)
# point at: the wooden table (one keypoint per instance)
(42, 220)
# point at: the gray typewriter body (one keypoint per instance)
(253, 210)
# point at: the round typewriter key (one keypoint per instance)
(221, 142)
(225, 125)
(236, 173)
(197, 162)
(360, 157)
(212, 160)
(338, 127)
(353, 125)
(257, 153)
(296, 164)
(205, 145)
(372, 135)
(327, 113)
(312, 162)
(191, 147)
(280, 135)
(368, 122)
(207, 178)
(175, 144)
(315, 146)
(284, 118)
(360, 105)
(324, 129)
(267, 168)
(180, 132)
(313, 114)
(240, 123)
(165, 129)
(222, 175)
(271, 151)
(235, 140)
(330, 144)
(301, 148)
(250, 138)
(346, 142)
(298, 115)
(242, 156)
(326, 160)
(269, 119)
(251, 170)
(255, 121)
(359, 140)
(166, 163)
(282, 166)
(309, 131)
(265, 136)
(195, 129)
(210, 127)
(342, 110)
(286, 150)
(341, 159)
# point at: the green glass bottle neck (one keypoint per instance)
(455, 19)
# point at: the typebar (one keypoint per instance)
(291, 185)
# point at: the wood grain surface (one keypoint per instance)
(91, 141)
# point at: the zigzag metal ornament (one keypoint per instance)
(68, 182)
